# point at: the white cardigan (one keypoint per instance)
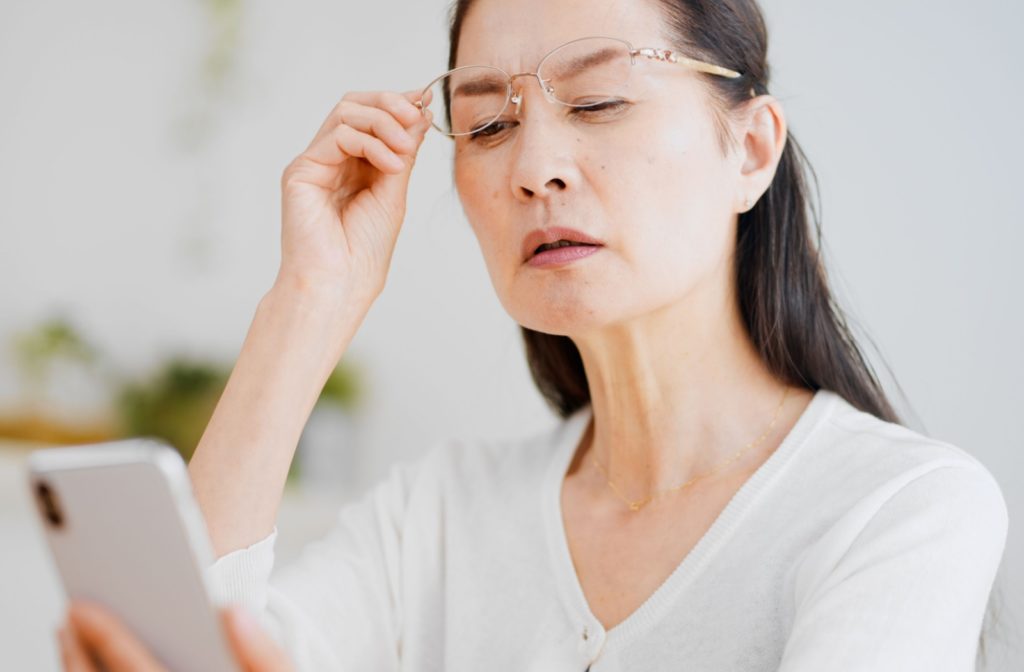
(858, 545)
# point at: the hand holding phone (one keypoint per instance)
(128, 537)
(92, 634)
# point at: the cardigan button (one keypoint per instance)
(590, 643)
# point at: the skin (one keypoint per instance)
(676, 385)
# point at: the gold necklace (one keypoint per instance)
(637, 504)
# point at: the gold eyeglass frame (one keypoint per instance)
(663, 55)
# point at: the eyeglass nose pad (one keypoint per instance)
(549, 91)
(517, 98)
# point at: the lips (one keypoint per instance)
(539, 237)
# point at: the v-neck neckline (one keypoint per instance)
(651, 610)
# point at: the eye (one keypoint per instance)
(606, 106)
(490, 130)
(493, 131)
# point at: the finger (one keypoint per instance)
(103, 635)
(254, 649)
(399, 105)
(72, 656)
(393, 187)
(379, 123)
(333, 146)
(347, 142)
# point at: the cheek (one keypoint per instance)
(479, 183)
(484, 200)
(477, 192)
(663, 195)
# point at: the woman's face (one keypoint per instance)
(649, 180)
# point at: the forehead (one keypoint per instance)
(515, 34)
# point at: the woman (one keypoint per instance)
(729, 489)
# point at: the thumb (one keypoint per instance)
(254, 650)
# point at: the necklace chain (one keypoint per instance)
(637, 504)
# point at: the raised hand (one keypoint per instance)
(344, 197)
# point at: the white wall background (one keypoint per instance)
(909, 111)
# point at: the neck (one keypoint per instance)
(677, 392)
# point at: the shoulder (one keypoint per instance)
(878, 499)
(885, 474)
(864, 449)
(852, 434)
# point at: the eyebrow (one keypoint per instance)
(480, 87)
(588, 60)
(484, 86)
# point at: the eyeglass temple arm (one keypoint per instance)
(692, 63)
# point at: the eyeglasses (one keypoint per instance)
(584, 73)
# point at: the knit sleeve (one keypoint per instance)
(335, 606)
(901, 583)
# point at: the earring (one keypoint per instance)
(746, 204)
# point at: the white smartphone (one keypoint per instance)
(125, 531)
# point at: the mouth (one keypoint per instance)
(559, 255)
(551, 242)
(561, 243)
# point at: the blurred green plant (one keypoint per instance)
(42, 354)
(202, 116)
(39, 349)
(175, 403)
(225, 18)
(342, 387)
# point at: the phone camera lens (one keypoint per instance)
(48, 503)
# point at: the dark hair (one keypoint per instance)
(784, 297)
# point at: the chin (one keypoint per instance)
(560, 317)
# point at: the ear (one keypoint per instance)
(763, 135)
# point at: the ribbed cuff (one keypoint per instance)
(241, 576)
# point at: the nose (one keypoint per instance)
(527, 193)
(544, 164)
(543, 159)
